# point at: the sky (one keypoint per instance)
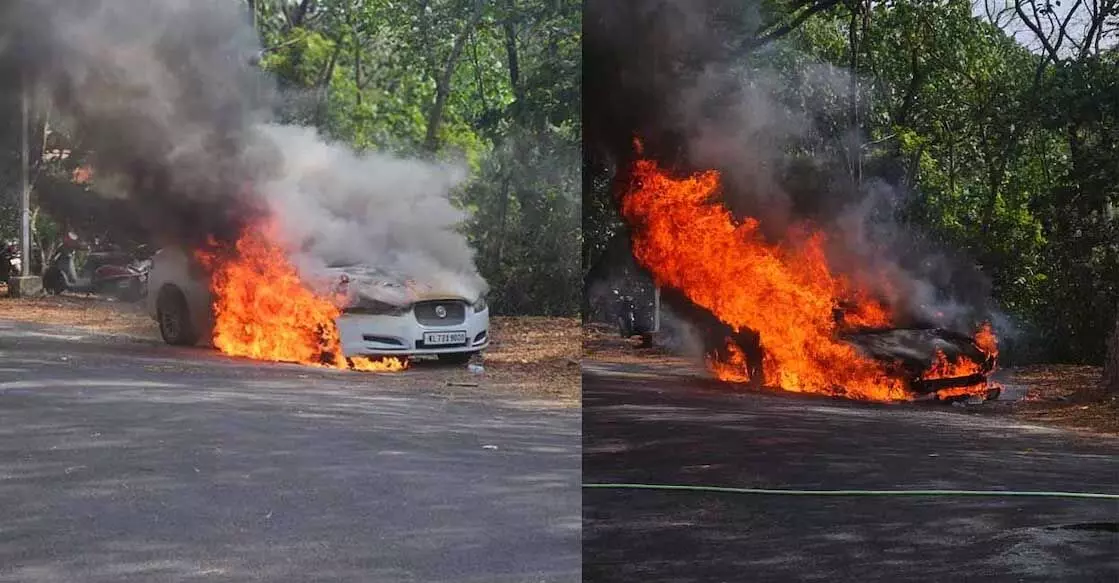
(1002, 12)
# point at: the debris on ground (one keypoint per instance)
(1066, 395)
(537, 354)
(90, 313)
(601, 342)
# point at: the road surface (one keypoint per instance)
(649, 426)
(128, 461)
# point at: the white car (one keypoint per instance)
(449, 327)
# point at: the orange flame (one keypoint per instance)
(264, 311)
(82, 174)
(987, 341)
(787, 293)
(943, 368)
(734, 369)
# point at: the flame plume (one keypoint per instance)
(264, 311)
(786, 292)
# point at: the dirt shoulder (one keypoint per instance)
(87, 313)
(601, 343)
(532, 357)
(1069, 396)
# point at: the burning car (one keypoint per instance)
(380, 316)
(781, 314)
(928, 362)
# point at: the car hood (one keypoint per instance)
(360, 284)
(916, 349)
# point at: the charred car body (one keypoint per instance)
(908, 353)
(382, 317)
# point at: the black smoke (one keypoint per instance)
(162, 94)
(688, 78)
(168, 99)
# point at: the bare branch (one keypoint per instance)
(773, 31)
(1035, 27)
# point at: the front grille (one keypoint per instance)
(426, 313)
(382, 339)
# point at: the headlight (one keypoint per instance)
(480, 305)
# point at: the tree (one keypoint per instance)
(493, 83)
(1111, 365)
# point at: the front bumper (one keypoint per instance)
(403, 335)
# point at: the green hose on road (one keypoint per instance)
(778, 492)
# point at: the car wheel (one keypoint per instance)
(174, 318)
(456, 357)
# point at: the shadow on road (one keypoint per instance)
(680, 431)
(139, 465)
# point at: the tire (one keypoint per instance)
(458, 358)
(173, 315)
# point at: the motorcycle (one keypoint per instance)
(628, 323)
(10, 263)
(116, 275)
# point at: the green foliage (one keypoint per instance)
(526, 224)
(370, 74)
(1013, 160)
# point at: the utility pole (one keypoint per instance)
(25, 285)
(24, 183)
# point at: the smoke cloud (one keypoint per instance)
(167, 96)
(676, 74)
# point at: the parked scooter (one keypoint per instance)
(10, 263)
(113, 274)
(628, 324)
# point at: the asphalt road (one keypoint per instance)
(652, 427)
(127, 461)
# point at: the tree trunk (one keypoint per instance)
(443, 83)
(358, 85)
(511, 54)
(1111, 361)
(500, 255)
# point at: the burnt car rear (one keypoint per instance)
(932, 361)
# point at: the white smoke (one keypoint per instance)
(339, 207)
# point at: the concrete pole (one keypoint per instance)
(657, 309)
(26, 285)
(25, 182)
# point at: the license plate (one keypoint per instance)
(438, 338)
